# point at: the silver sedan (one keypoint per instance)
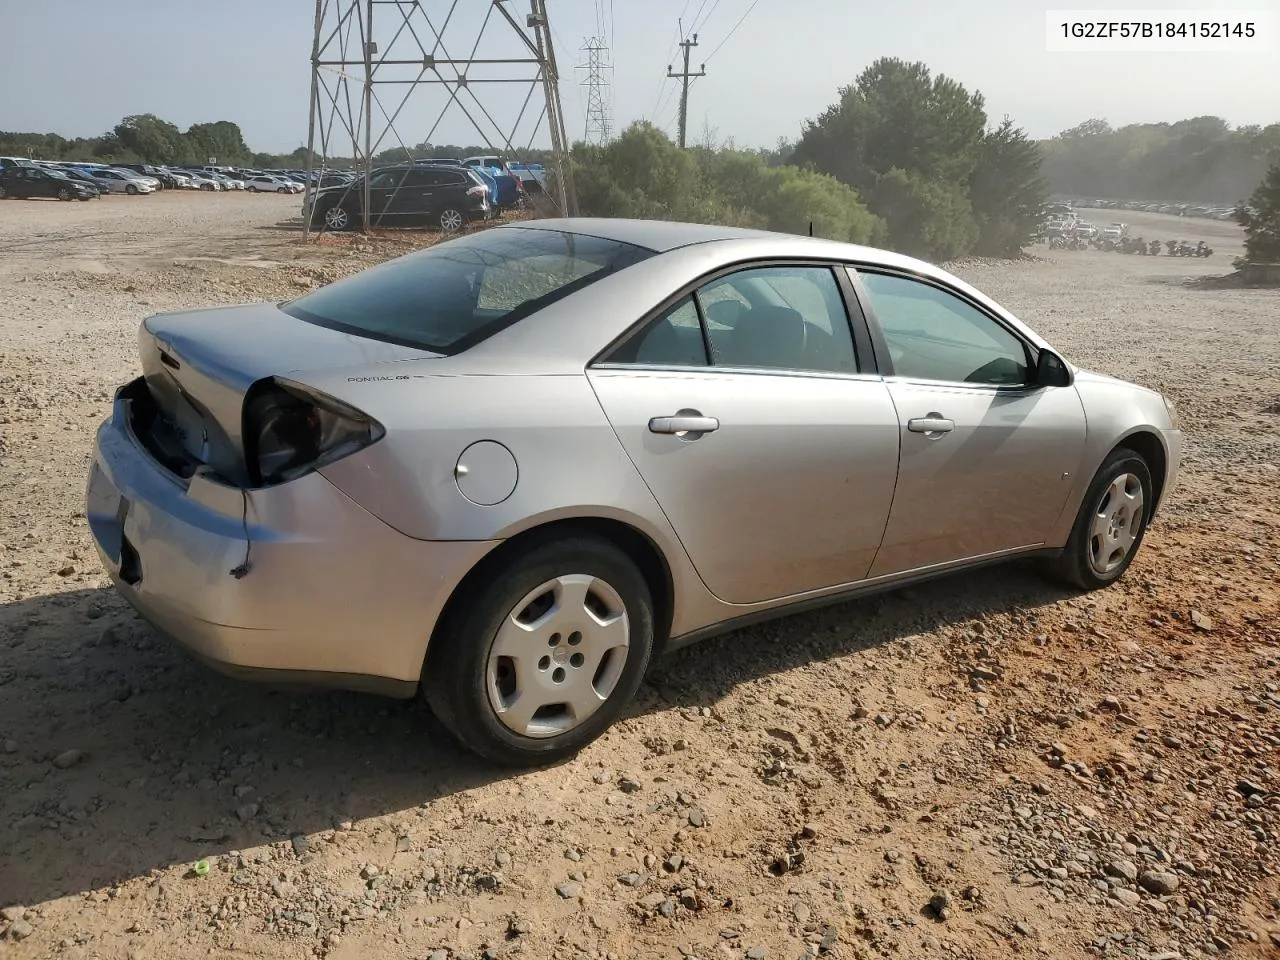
(508, 470)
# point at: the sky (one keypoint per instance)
(77, 70)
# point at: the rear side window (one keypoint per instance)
(452, 296)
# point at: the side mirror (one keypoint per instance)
(1052, 370)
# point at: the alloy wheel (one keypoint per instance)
(336, 218)
(1117, 522)
(451, 220)
(558, 656)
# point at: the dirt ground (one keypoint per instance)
(986, 767)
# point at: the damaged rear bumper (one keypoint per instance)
(331, 595)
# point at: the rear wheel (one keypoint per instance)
(4, 194)
(1111, 524)
(338, 218)
(545, 652)
(452, 219)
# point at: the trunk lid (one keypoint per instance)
(199, 364)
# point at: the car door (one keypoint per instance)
(420, 198)
(988, 458)
(767, 439)
(386, 205)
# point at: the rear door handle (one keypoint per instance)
(683, 424)
(933, 423)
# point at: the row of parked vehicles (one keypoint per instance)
(69, 180)
(1202, 211)
(441, 192)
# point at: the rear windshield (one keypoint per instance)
(450, 297)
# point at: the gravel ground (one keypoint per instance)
(986, 767)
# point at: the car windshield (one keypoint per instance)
(450, 297)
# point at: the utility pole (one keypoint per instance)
(685, 77)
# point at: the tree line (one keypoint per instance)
(904, 159)
(1200, 160)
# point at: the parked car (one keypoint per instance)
(158, 174)
(507, 192)
(532, 177)
(486, 176)
(119, 180)
(266, 183)
(29, 183)
(509, 468)
(202, 180)
(405, 195)
(81, 177)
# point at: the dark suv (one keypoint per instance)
(405, 196)
(27, 183)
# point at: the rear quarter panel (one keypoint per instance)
(570, 463)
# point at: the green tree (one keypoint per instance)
(1261, 220)
(930, 219)
(1006, 191)
(149, 138)
(221, 139)
(908, 142)
(896, 115)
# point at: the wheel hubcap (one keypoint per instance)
(1117, 521)
(558, 656)
(451, 220)
(336, 218)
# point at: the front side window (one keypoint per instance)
(935, 335)
(451, 296)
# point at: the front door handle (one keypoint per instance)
(683, 424)
(934, 423)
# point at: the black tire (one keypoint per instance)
(454, 678)
(251, 188)
(1076, 565)
(131, 189)
(4, 194)
(64, 193)
(282, 189)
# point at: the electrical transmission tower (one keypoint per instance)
(685, 76)
(388, 81)
(599, 122)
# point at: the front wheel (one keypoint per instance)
(131, 190)
(64, 193)
(282, 190)
(1111, 523)
(451, 219)
(544, 653)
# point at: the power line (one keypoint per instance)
(698, 28)
(754, 4)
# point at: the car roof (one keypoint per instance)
(661, 236)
